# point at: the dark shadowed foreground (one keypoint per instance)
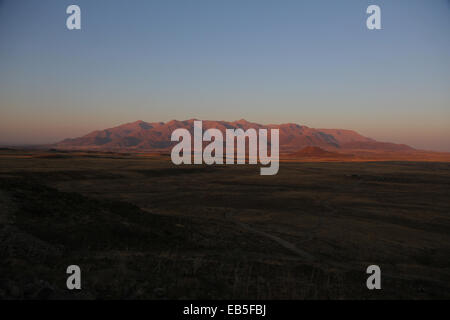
(142, 228)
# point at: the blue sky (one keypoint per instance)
(309, 62)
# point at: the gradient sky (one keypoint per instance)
(270, 61)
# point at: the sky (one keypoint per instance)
(310, 62)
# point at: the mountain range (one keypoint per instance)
(141, 136)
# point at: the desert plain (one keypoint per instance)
(140, 227)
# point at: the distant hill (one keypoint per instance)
(155, 136)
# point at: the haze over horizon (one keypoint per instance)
(313, 63)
